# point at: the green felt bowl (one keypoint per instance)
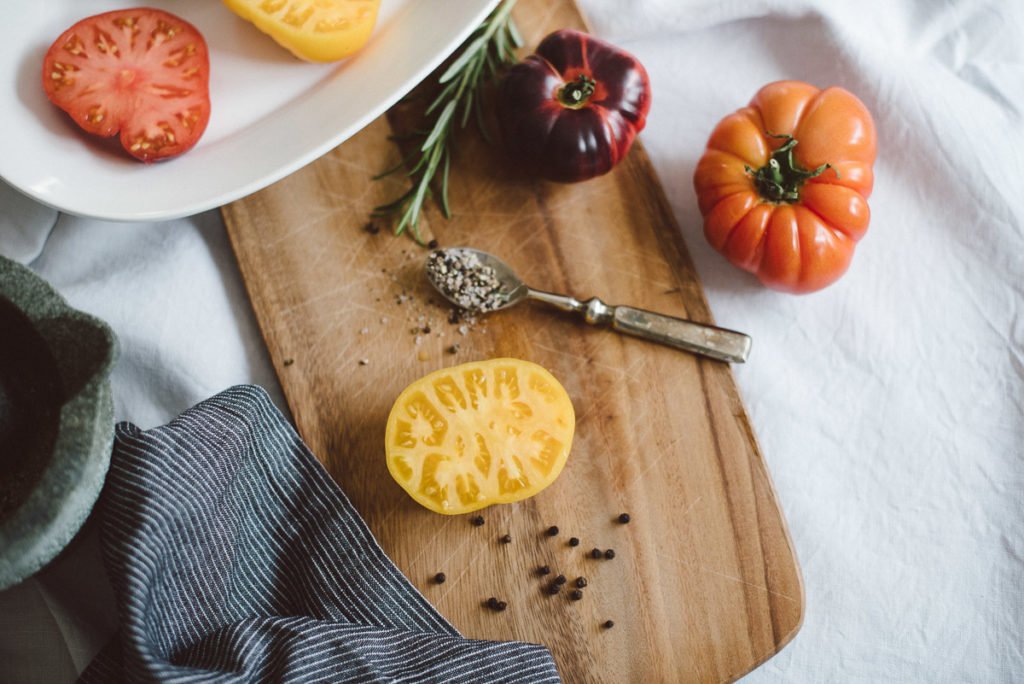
(56, 420)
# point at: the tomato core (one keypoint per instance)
(576, 94)
(781, 178)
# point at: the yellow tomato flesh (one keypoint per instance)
(486, 432)
(314, 30)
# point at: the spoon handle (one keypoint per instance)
(706, 340)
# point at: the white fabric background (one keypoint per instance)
(890, 406)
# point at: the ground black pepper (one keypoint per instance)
(581, 582)
(440, 578)
(477, 520)
(609, 554)
(574, 541)
(576, 594)
(624, 518)
(595, 553)
(551, 531)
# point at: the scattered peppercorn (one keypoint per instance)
(454, 349)
(581, 582)
(624, 518)
(551, 531)
(492, 602)
(432, 244)
(288, 362)
(371, 228)
(608, 624)
(477, 520)
(595, 553)
(560, 579)
(609, 554)
(576, 594)
(544, 570)
(506, 539)
(574, 541)
(440, 578)
(554, 589)
(500, 606)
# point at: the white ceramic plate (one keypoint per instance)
(272, 114)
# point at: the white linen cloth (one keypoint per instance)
(890, 406)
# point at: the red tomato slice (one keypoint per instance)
(142, 72)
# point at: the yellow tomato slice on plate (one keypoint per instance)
(314, 30)
(482, 433)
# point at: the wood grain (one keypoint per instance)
(704, 586)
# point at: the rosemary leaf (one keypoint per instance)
(489, 48)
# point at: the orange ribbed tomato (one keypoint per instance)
(784, 184)
(481, 433)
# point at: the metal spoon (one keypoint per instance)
(706, 340)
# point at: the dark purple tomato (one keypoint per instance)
(570, 111)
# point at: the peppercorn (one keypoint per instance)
(624, 518)
(560, 579)
(432, 244)
(492, 603)
(595, 553)
(440, 578)
(477, 520)
(552, 531)
(609, 554)
(576, 595)
(500, 606)
(608, 624)
(554, 589)
(574, 541)
(544, 570)
(506, 539)
(581, 582)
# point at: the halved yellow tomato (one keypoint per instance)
(482, 433)
(314, 30)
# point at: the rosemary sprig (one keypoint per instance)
(490, 47)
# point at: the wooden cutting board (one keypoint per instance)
(704, 585)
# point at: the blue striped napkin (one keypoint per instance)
(236, 558)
